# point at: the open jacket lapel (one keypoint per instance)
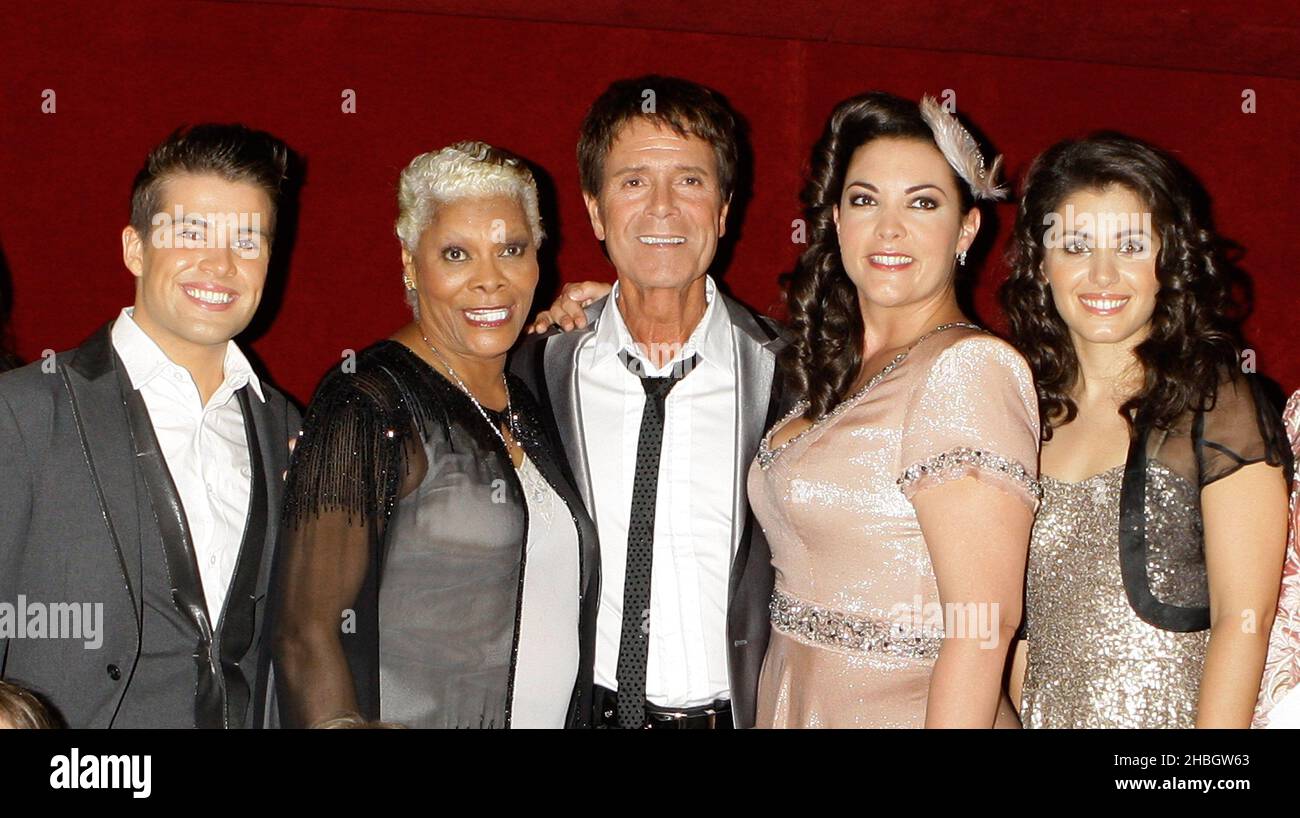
(237, 623)
(755, 350)
(99, 413)
(272, 435)
(560, 369)
(178, 550)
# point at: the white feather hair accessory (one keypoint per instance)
(962, 152)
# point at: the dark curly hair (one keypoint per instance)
(825, 356)
(1193, 341)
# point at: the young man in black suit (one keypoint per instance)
(141, 486)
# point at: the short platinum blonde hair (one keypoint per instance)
(465, 170)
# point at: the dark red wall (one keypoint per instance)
(127, 75)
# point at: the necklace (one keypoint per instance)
(766, 454)
(511, 421)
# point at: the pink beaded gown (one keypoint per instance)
(856, 620)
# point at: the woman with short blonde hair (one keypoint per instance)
(438, 568)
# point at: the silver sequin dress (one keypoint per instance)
(1117, 593)
(1092, 661)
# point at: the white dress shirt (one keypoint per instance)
(205, 447)
(687, 662)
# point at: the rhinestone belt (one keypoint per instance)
(830, 628)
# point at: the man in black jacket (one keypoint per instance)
(142, 471)
(660, 402)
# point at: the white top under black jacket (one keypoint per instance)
(205, 446)
(687, 662)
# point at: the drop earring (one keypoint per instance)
(408, 281)
(961, 258)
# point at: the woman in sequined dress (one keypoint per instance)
(1155, 557)
(898, 495)
(437, 569)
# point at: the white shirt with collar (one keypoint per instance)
(205, 447)
(687, 662)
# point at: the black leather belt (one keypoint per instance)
(716, 716)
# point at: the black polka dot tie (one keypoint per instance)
(634, 639)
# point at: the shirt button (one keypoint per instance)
(178, 375)
(212, 560)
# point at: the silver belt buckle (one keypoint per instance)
(709, 713)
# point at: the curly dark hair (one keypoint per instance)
(825, 356)
(1193, 341)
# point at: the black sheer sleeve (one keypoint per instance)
(358, 454)
(1242, 428)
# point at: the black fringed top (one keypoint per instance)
(400, 570)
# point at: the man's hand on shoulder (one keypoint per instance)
(569, 310)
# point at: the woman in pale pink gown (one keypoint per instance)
(898, 495)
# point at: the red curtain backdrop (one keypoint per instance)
(424, 75)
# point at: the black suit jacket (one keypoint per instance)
(77, 521)
(548, 364)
